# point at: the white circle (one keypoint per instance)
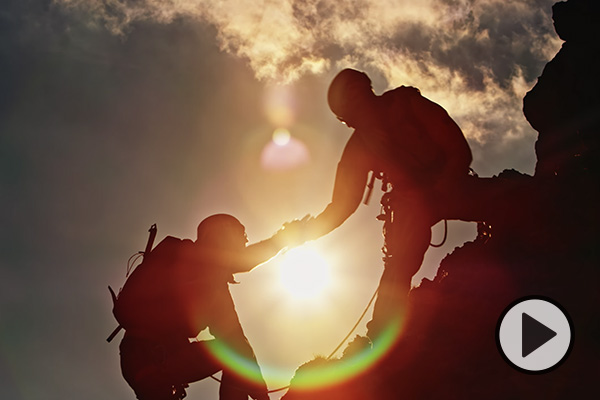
(548, 353)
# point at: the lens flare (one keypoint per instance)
(320, 373)
(284, 152)
(280, 105)
(281, 136)
(237, 362)
(336, 371)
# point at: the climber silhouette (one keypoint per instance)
(420, 154)
(180, 289)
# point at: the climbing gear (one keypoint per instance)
(384, 185)
(387, 213)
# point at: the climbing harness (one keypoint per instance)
(387, 213)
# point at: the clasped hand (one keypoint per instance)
(294, 233)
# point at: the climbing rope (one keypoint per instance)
(339, 345)
(355, 325)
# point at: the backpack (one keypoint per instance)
(145, 303)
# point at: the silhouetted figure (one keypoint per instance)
(180, 289)
(420, 154)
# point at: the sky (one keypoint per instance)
(118, 114)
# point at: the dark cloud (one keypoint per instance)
(471, 38)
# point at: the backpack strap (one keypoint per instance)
(114, 333)
(119, 327)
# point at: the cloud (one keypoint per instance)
(283, 39)
(477, 58)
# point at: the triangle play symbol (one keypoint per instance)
(534, 334)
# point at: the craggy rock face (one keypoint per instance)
(576, 20)
(543, 241)
(564, 104)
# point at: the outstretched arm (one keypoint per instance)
(290, 234)
(350, 181)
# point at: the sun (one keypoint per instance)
(304, 273)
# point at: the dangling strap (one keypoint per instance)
(118, 328)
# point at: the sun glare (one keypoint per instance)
(304, 273)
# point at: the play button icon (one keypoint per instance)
(534, 334)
